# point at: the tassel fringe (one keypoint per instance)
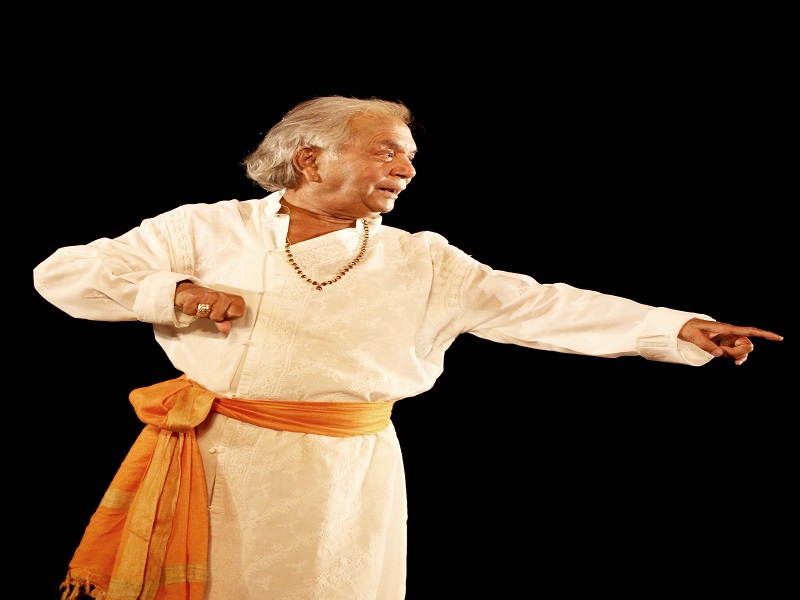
(75, 587)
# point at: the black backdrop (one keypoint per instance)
(661, 179)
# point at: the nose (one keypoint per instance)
(403, 168)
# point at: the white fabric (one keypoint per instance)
(297, 516)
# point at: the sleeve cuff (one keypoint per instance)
(659, 338)
(155, 302)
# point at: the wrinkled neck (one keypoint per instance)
(305, 224)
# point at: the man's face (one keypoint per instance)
(371, 171)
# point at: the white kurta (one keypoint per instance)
(301, 516)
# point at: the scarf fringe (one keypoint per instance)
(76, 586)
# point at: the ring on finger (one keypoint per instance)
(203, 309)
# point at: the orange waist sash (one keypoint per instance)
(339, 419)
(148, 539)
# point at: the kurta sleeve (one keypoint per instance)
(128, 278)
(516, 309)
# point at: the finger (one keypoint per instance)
(223, 326)
(219, 312)
(738, 350)
(706, 344)
(761, 333)
(717, 327)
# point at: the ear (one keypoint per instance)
(305, 161)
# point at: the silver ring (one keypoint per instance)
(203, 309)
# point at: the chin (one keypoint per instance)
(383, 207)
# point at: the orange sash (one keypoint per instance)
(148, 539)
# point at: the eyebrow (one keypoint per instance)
(400, 145)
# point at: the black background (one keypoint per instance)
(656, 171)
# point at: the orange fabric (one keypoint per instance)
(148, 539)
(338, 419)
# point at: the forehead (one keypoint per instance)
(370, 130)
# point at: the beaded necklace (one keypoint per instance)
(319, 285)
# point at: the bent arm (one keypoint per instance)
(129, 278)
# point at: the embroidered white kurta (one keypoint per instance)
(302, 516)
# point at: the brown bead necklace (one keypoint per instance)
(320, 284)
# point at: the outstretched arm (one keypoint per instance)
(722, 339)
